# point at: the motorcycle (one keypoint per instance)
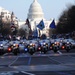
(15, 49)
(9, 49)
(68, 46)
(31, 48)
(56, 46)
(39, 48)
(25, 47)
(44, 48)
(1, 49)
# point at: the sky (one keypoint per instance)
(51, 8)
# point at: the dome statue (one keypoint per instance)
(35, 11)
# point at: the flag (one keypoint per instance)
(29, 26)
(35, 33)
(41, 25)
(28, 23)
(52, 25)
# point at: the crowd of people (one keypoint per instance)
(66, 35)
(10, 37)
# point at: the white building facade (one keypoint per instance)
(35, 15)
(7, 16)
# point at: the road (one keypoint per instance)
(60, 63)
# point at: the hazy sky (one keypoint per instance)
(51, 8)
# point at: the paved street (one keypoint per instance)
(60, 63)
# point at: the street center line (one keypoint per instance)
(27, 73)
(55, 60)
(29, 61)
(59, 52)
(13, 62)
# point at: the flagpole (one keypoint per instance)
(39, 33)
(36, 28)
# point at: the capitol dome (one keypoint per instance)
(35, 11)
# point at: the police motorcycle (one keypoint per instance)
(1, 49)
(10, 46)
(13, 47)
(62, 45)
(55, 46)
(51, 44)
(39, 47)
(32, 46)
(44, 46)
(21, 45)
(3, 46)
(73, 44)
(68, 45)
(25, 46)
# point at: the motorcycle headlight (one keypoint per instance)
(67, 42)
(14, 44)
(18, 38)
(60, 40)
(44, 43)
(25, 49)
(52, 44)
(55, 43)
(31, 44)
(23, 42)
(1, 44)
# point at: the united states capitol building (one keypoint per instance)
(35, 15)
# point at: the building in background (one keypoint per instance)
(7, 16)
(35, 15)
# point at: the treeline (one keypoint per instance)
(5, 29)
(66, 22)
